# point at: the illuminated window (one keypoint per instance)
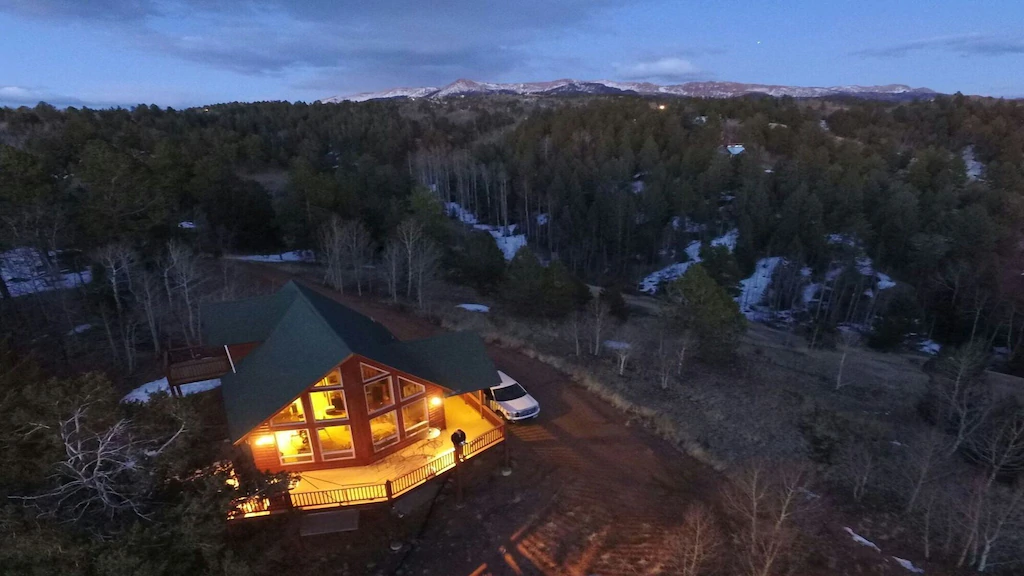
(384, 429)
(292, 414)
(329, 405)
(410, 388)
(331, 380)
(414, 416)
(369, 372)
(293, 446)
(335, 442)
(379, 394)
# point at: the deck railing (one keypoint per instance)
(483, 441)
(187, 365)
(370, 493)
(414, 478)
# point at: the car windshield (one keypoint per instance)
(506, 393)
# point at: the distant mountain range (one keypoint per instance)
(689, 89)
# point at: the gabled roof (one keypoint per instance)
(305, 334)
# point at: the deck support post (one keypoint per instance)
(506, 470)
(388, 491)
(458, 475)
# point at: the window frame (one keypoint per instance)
(421, 426)
(390, 440)
(304, 423)
(394, 399)
(401, 391)
(344, 398)
(331, 456)
(307, 458)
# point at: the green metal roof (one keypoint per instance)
(305, 334)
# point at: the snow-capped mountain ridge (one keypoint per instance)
(464, 87)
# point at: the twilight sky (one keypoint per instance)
(191, 52)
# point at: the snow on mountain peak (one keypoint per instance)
(466, 87)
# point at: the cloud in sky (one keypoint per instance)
(25, 96)
(408, 41)
(665, 69)
(962, 44)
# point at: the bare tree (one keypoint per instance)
(410, 235)
(623, 350)
(598, 312)
(999, 446)
(425, 262)
(923, 456)
(857, 463)
(1003, 511)
(683, 345)
(102, 470)
(182, 279)
(698, 541)
(332, 250)
(961, 393)
(117, 260)
(391, 267)
(764, 499)
(147, 291)
(575, 327)
(848, 340)
(357, 249)
(666, 360)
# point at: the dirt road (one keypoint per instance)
(589, 493)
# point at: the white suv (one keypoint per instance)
(511, 400)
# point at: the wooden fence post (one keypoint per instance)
(458, 475)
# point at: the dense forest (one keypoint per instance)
(893, 221)
(612, 187)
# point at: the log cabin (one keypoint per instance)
(312, 387)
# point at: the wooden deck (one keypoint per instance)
(392, 476)
(195, 364)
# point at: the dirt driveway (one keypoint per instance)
(590, 492)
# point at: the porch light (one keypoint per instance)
(265, 440)
(435, 401)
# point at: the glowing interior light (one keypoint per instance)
(435, 401)
(264, 440)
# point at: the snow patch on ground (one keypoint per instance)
(292, 256)
(666, 274)
(735, 149)
(844, 239)
(474, 307)
(673, 271)
(616, 345)
(25, 271)
(884, 281)
(930, 347)
(908, 565)
(79, 329)
(508, 241)
(455, 210)
(974, 168)
(810, 291)
(693, 251)
(187, 225)
(728, 239)
(752, 290)
(542, 219)
(142, 393)
(509, 245)
(861, 540)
